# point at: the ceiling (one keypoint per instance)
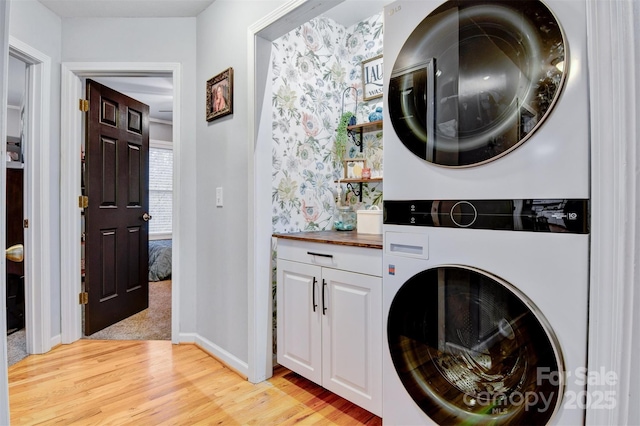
(346, 13)
(157, 92)
(126, 8)
(350, 12)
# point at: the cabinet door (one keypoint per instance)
(352, 337)
(299, 319)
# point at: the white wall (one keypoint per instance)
(34, 24)
(223, 162)
(160, 131)
(153, 40)
(13, 122)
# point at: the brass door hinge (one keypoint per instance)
(83, 298)
(83, 201)
(83, 105)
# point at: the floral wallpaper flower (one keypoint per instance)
(313, 68)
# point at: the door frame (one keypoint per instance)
(37, 197)
(260, 35)
(71, 140)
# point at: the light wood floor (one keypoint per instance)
(93, 382)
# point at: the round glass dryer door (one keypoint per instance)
(475, 79)
(469, 348)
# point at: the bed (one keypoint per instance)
(159, 260)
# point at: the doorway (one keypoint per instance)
(33, 128)
(71, 130)
(262, 34)
(15, 197)
(154, 321)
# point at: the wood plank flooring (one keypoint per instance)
(94, 382)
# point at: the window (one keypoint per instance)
(160, 189)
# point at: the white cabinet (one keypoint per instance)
(329, 301)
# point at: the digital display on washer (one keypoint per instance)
(543, 215)
(474, 80)
(469, 348)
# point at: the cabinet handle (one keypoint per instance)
(313, 294)
(324, 306)
(320, 254)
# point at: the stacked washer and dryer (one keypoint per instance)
(486, 212)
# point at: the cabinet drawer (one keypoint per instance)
(348, 258)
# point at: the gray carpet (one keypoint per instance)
(154, 323)
(16, 346)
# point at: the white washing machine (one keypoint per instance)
(486, 99)
(484, 326)
(486, 168)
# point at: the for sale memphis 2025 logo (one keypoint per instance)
(593, 394)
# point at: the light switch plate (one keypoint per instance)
(219, 196)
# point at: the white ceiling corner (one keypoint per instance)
(350, 12)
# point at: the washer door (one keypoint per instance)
(475, 79)
(471, 349)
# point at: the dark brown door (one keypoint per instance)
(116, 221)
(15, 216)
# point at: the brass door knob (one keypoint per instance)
(15, 253)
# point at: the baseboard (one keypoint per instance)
(188, 337)
(55, 341)
(228, 359)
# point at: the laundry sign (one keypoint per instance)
(372, 74)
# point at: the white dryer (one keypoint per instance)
(486, 99)
(484, 326)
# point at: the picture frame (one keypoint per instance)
(220, 95)
(353, 168)
(372, 76)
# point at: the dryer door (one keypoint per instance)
(475, 79)
(471, 349)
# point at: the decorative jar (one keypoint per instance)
(345, 219)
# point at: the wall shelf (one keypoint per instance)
(361, 129)
(371, 126)
(371, 180)
(352, 188)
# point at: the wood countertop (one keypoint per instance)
(344, 238)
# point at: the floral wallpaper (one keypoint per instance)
(316, 68)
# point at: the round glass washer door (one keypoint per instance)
(475, 79)
(469, 348)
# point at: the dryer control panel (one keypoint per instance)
(542, 215)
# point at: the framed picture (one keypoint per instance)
(372, 78)
(220, 95)
(353, 168)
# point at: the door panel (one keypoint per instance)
(117, 180)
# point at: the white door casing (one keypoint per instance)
(71, 138)
(37, 237)
(260, 35)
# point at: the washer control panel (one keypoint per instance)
(542, 215)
